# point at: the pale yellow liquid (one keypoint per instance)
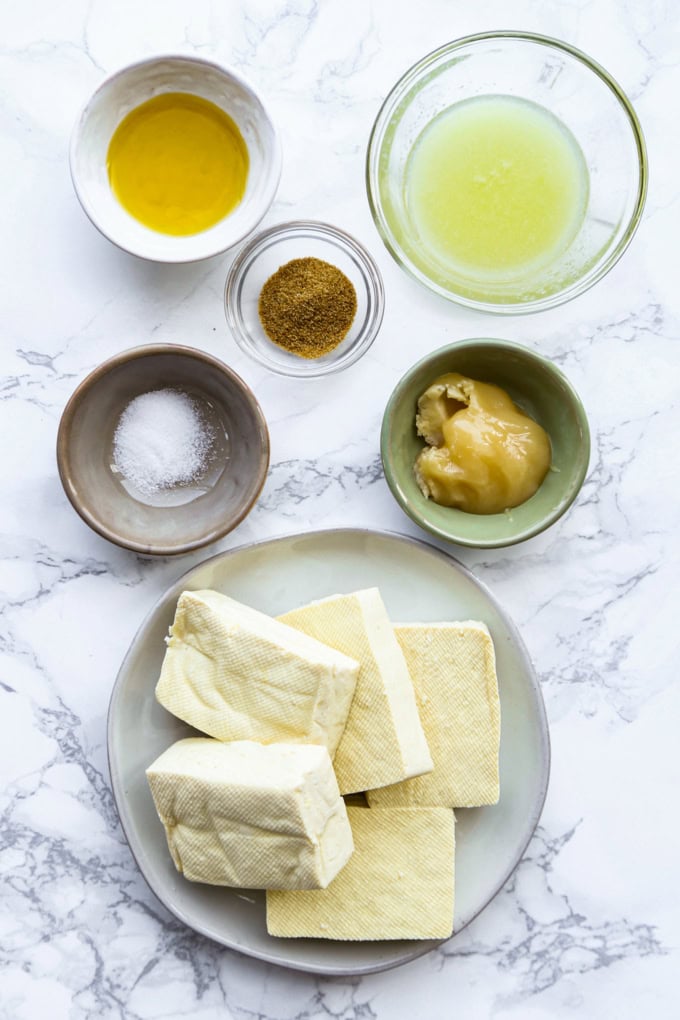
(496, 191)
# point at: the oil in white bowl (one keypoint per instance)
(178, 164)
(496, 191)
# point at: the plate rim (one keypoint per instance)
(426, 946)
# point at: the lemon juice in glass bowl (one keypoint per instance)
(507, 172)
(496, 191)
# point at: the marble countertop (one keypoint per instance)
(588, 925)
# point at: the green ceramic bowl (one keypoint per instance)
(540, 389)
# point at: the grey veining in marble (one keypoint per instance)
(589, 924)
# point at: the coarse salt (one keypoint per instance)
(161, 441)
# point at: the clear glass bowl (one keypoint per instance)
(273, 248)
(566, 83)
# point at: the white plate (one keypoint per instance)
(417, 582)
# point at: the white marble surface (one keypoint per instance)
(588, 926)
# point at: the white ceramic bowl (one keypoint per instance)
(122, 92)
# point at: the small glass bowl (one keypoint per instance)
(273, 248)
(566, 83)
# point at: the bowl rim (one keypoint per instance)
(531, 530)
(385, 112)
(64, 461)
(276, 154)
(247, 255)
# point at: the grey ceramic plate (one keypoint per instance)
(417, 582)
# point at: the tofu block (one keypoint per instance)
(453, 667)
(251, 815)
(398, 884)
(236, 674)
(383, 741)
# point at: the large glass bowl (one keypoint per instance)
(570, 86)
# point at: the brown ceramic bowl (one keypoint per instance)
(175, 520)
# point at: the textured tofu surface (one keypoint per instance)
(453, 667)
(398, 884)
(237, 674)
(383, 741)
(251, 815)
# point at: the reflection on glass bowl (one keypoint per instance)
(507, 172)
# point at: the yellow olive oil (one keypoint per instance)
(178, 164)
(496, 191)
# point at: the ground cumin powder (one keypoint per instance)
(307, 307)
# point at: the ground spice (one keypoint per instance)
(307, 307)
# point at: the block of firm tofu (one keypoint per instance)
(453, 667)
(398, 884)
(238, 674)
(383, 741)
(252, 815)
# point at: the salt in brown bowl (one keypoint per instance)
(190, 518)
